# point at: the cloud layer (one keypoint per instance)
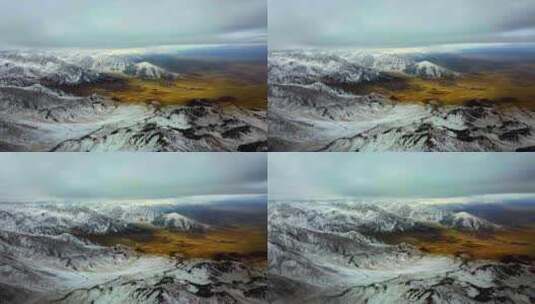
(399, 175)
(394, 23)
(131, 23)
(38, 176)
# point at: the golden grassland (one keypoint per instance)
(244, 243)
(216, 88)
(492, 246)
(515, 85)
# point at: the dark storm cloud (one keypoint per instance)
(400, 175)
(131, 23)
(130, 175)
(394, 23)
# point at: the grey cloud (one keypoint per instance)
(130, 23)
(400, 175)
(386, 23)
(36, 176)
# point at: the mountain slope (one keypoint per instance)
(305, 118)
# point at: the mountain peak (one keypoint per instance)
(429, 70)
(147, 70)
(466, 221)
(178, 222)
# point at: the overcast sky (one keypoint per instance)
(40, 176)
(399, 175)
(131, 23)
(395, 23)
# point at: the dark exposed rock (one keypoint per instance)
(514, 135)
(526, 149)
(259, 146)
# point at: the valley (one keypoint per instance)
(503, 86)
(514, 238)
(511, 243)
(246, 244)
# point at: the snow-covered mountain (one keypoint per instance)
(43, 260)
(49, 269)
(305, 68)
(327, 252)
(381, 61)
(122, 63)
(435, 214)
(377, 217)
(45, 219)
(146, 70)
(467, 221)
(411, 64)
(428, 70)
(131, 213)
(321, 118)
(93, 218)
(350, 67)
(74, 67)
(103, 62)
(36, 116)
(19, 68)
(313, 107)
(199, 126)
(177, 222)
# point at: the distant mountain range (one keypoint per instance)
(63, 67)
(307, 67)
(93, 219)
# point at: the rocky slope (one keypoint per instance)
(319, 118)
(318, 255)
